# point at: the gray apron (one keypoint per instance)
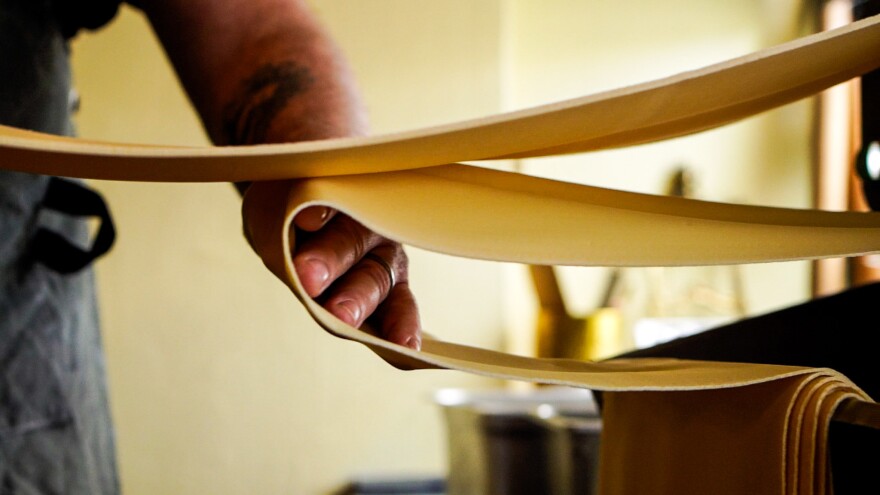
(55, 427)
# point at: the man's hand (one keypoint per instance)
(356, 274)
(265, 71)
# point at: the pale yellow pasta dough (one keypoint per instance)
(670, 426)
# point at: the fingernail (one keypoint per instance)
(351, 311)
(317, 275)
(325, 212)
(414, 342)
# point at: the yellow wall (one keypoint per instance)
(569, 48)
(222, 384)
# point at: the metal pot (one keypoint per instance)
(501, 442)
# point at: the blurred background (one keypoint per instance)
(221, 383)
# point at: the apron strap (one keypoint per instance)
(71, 198)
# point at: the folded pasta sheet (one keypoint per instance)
(768, 438)
(674, 106)
(671, 426)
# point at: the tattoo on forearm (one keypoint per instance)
(262, 97)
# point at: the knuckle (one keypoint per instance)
(400, 261)
(379, 277)
(355, 238)
(380, 281)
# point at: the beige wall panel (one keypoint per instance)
(568, 48)
(220, 382)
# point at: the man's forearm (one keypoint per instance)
(262, 71)
(258, 71)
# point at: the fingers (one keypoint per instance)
(313, 218)
(323, 257)
(398, 317)
(356, 274)
(367, 285)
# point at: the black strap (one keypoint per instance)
(71, 198)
